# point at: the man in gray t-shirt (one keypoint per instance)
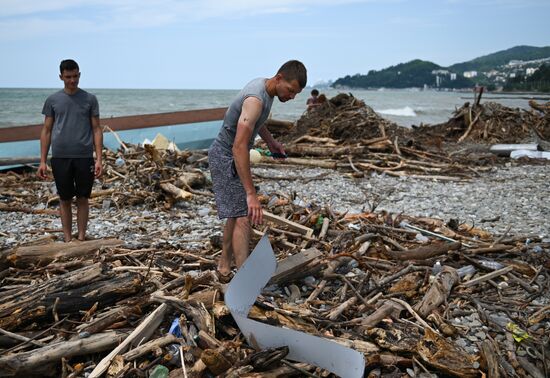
(71, 127)
(229, 158)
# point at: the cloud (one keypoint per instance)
(25, 19)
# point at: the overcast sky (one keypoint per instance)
(214, 44)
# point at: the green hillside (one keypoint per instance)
(416, 73)
(492, 61)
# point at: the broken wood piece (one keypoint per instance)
(149, 346)
(380, 313)
(290, 224)
(26, 362)
(293, 264)
(22, 256)
(488, 276)
(438, 292)
(426, 252)
(147, 327)
(176, 192)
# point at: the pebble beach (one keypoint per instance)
(513, 196)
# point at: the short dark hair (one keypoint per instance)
(315, 92)
(294, 70)
(68, 65)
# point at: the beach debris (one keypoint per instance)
(412, 295)
(241, 294)
(492, 123)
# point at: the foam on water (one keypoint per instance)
(406, 111)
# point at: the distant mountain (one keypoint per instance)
(500, 58)
(492, 70)
(415, 73)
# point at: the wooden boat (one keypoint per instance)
(191, 129)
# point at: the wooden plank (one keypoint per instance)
(294, 263)
(32, 132)
(488, 276)
(290, 224)
(141, 333)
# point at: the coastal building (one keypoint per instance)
(453, 76)
(530, 71)
(470, 74)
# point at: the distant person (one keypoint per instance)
(313, 101)
(229, 158)
(71, 126)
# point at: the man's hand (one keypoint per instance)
(98, 169)
(276, 148)
(42, 171)
(254, 209)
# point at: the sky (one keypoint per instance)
(214, 44)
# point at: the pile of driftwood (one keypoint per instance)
(414, 295)
(135, 175)
(492, 122)
(344, 118)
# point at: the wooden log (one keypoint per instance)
(66, 302)
(438, 292)
(294, 263)
(16, 208)
(488, 276)
(176, 192)
(113, 317)
(39, 254)
(308, 150)
(191, 180)
(380, 313)
(142, 332)
(426, 252)
(336, 312)
(16, 365)
(489, 359)
(290, 224)
(307, 162)
(149, 346)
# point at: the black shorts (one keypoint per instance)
(73, 177)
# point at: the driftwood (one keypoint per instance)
(438, 292)
(39, 254)
(36, 361)
(176, 192)
(142, 332)
(427, 252)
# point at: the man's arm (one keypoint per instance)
(45, 141)
(98, 145)
(250, 113)
(272, 144)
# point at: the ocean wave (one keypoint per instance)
(407, 111)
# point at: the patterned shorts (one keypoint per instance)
(228, 190)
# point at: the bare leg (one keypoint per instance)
(66, 218)
(224, 265)
(241, 240)
(82, 211)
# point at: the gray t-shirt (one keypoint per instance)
(72, 135)
(256, 88)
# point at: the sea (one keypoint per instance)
(407, 107)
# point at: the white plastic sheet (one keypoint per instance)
(241, 295)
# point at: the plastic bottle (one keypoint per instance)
(159, 371)
(173, 356)
(491, 264)
(437, 268)
(466, 270)
(119, 162)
